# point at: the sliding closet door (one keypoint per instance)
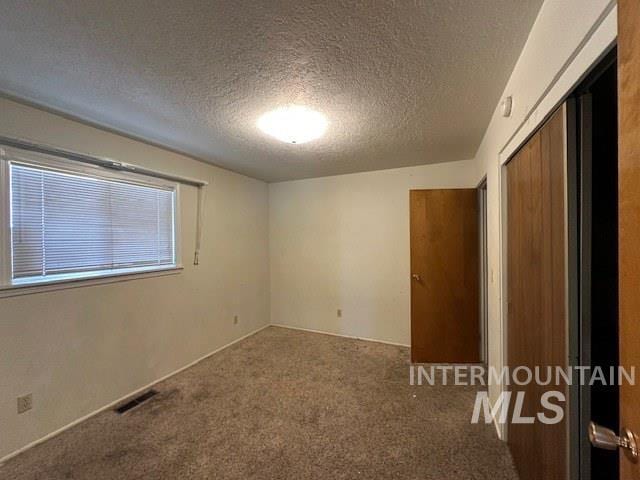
(536, 289)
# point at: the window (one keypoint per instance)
(69, 221)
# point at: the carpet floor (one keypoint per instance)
(282, 404)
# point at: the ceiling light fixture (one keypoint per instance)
(293, 124)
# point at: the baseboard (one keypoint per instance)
(340, 335)
(123, 398)
(499, 428)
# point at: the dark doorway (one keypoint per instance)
(597, 188)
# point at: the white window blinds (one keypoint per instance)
(74, 223)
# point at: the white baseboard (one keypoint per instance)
(123, 398)
(340, 335)
(499, 428)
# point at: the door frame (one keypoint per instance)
(483, 229)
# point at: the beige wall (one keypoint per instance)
(82, 348)
(342, 242)
(296, 251)
(567, 38)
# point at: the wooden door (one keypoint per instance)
(536, 291)
(445, 323)
(629, 216)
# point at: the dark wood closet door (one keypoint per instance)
(536, 291)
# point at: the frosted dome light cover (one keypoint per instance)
(293, 124)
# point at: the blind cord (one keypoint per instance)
(199, 224)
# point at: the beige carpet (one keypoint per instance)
(282, 404)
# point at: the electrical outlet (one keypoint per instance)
(235, 319)
(339, 313)
(25, 403)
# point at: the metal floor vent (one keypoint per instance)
(136, 402)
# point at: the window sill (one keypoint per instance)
(51, 285)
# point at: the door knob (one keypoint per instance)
(601, 437)
(416, 277)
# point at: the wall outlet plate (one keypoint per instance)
(235, 319)
(25, 403)
(339, 312)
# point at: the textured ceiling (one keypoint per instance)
(400, 82)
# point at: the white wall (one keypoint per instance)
(567, 38)
(342, 242)
(82, 348)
